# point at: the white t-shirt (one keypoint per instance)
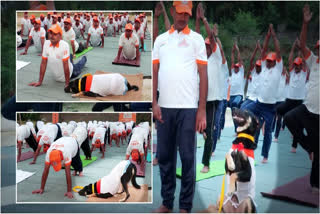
(109, 84)
(110, 28)
(253, 85)
(49, 135)
(95, 39)
(68, 146)
(129, 46)
(214, 71)
(237, 82)
(178, 55)
(99, 134)
(297, 85)
(113, 128)
(26, 25)
(225, 80)
(23, 132)
(111, 182)
(129, 125)
(68, 130)
(270, 80)
(312, 96)
(87, 25)
(69, 36)
(281, 94)
(77, 29)
(37, 36)
(139, 33)
(48, 22)
(42, 130)
(31, 126)
(136, 142)
(40, 124)
(56, 56)
(43, 23)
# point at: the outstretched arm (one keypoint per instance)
(232, 55)
(276, 43)
(252, 57)
(307, 15)
(43, 179)
(200, 14)
(291, 54)
(221, 50)
(239, 55)
(265, 44)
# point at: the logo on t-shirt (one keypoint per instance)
(183, 44)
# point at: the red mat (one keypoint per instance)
(123, 61)
(297, 191)
(28, 155)
(140, 168)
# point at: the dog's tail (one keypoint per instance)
(134, 175)
(132, 87)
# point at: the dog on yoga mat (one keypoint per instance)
(246, 206)
(116, 180)
(239, 164)
(100, 85)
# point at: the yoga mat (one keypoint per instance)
(133, 79)
(83, 52)
(21, 64)
(140, 168)
(154, 148)
(149, 157)
(136, 195)
(297, 191)
(27, 155)
(22, 175)
(216, 168)
(86, 162)
(123, 61)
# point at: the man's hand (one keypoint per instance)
(201, 122)
(307, 15)
(38, 191)
(23, 53)
(35, 84)
(157, 112)
(273, 34)
(215, 30)
(67, 89)
(200, 12)
(68, 194)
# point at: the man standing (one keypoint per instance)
(306, 115)
(179, 56)
(56, 59)
(37, 34)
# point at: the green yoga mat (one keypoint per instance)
(216, 168)
(149, 157)
(83, 52)
(86, 162)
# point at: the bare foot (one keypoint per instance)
(293, 150)
(265, 160)
(81, 174)
(205, 169)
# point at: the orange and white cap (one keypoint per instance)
(95, 19)
(55, 29)
(271, 56)
(137, 20)
(68, 20)
(129, 26)
(258, 62)
(183, 6)
(297, 61)
(55, 159)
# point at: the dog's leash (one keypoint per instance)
(79, 85)
(222, 193)
(77, 187)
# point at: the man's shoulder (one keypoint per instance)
(196, 35)
(163, 36)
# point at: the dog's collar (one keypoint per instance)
(92, 188)
(88, 82)
(244, 135)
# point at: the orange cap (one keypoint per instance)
(297, 61)
(258, 62)
(207, 41)
(41, 15)
(137, 20)
(128, 26)
(38, 21)
(77, 19)
(54, 16)
(317, 45)
(32, 17)
(237, 65)
(50, 13)
(55, 29)
(68, 20)
(183, 6)
(55, 159)
(95, 19)
(271, 56)
(97, 143)
(135, 154)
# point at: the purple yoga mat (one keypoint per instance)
(154, 148)
(27, 155)
(297, 191)
(140, 168)
(123, 61)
